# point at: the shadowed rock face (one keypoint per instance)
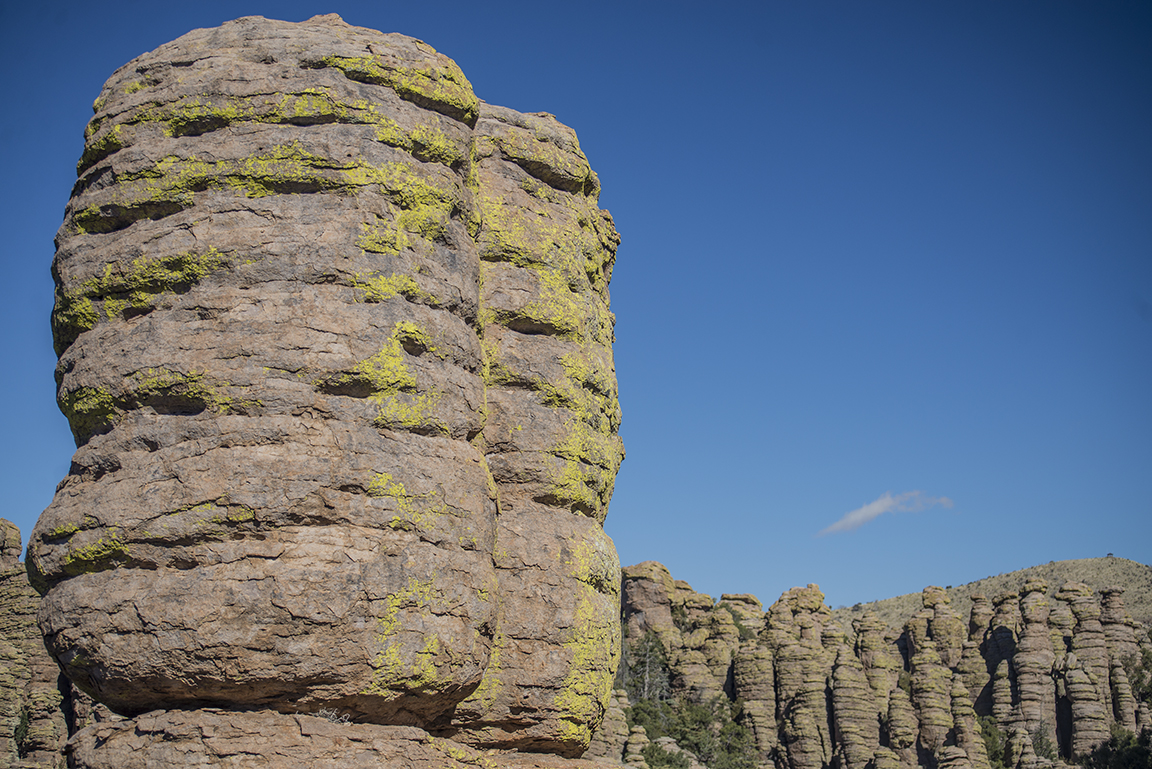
(335, 347)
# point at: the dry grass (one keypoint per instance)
(1096, 573)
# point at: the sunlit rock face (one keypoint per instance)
(1042, 672)
(335, 345)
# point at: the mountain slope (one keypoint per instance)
(1096, 573)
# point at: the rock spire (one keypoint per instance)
(336, 349)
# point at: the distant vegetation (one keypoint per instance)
(1123, 750)
(1096, 573)
(708, 730)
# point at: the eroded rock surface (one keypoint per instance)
(33, 727)
(1049, 669)
(215, 738)
(335, 345)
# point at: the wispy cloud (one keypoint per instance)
(908, 502)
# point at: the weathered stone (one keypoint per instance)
(1119, 628)
(794, 632)
(879, 656)
(1089, 645)
(611, 738)
(815, 695)
(633, 751)
(319, 466)
(1033, 663)
(946, 626)
(747, 609)
(857, 726)
(932, 696)
(32, 691)
(672, 748)
(1088, 715)
(249, 740)
(754, 681)
(980, 617)
(647, 590)
(966, 731)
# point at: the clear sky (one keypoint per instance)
(884, 297)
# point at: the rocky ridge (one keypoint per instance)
(1046, 666)
(1097, 573)
(335, 346)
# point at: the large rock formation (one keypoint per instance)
(335, 347)
(1049, 669)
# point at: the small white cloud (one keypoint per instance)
(908, 502)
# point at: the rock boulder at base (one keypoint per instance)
(335, 346)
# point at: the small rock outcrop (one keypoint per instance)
(335, 346)
(1048, 669)
(34, 696)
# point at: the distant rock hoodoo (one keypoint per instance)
(1042, 673)
(336, 348)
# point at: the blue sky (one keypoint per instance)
(869, 249)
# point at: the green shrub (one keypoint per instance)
(994, 741)
(708, 730)
(1123, 750)
(658, 758)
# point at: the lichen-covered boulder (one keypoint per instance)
(335, 347)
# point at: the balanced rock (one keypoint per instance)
(335, 346)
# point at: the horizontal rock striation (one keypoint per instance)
(1048, 669)
(199, 739)
(335, 346)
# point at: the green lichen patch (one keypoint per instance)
(211, 520)
(89, 410)
(564, 232)
(195, 391)
(381, 237)
(434, 146)
(172, 183)
(387, 380)
(443, 89)
(376, 287)
(105, 553)
(64, 531)
(96, 150)
(426, 221)
(585, 475)
(395, 670)
(127, 290)
(197, 115)
(93, 410)
(593, 646)
(557, 167)
(414, 512)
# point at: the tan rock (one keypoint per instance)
(794, 632)
(857, 726)
(32, 719)
(1034, 661)
(633, 751)
(611, 738)
(932, 696)
(754, 680)
(966, 732)
(266, 739)
(298, 414)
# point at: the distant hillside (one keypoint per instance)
(1135, 578)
